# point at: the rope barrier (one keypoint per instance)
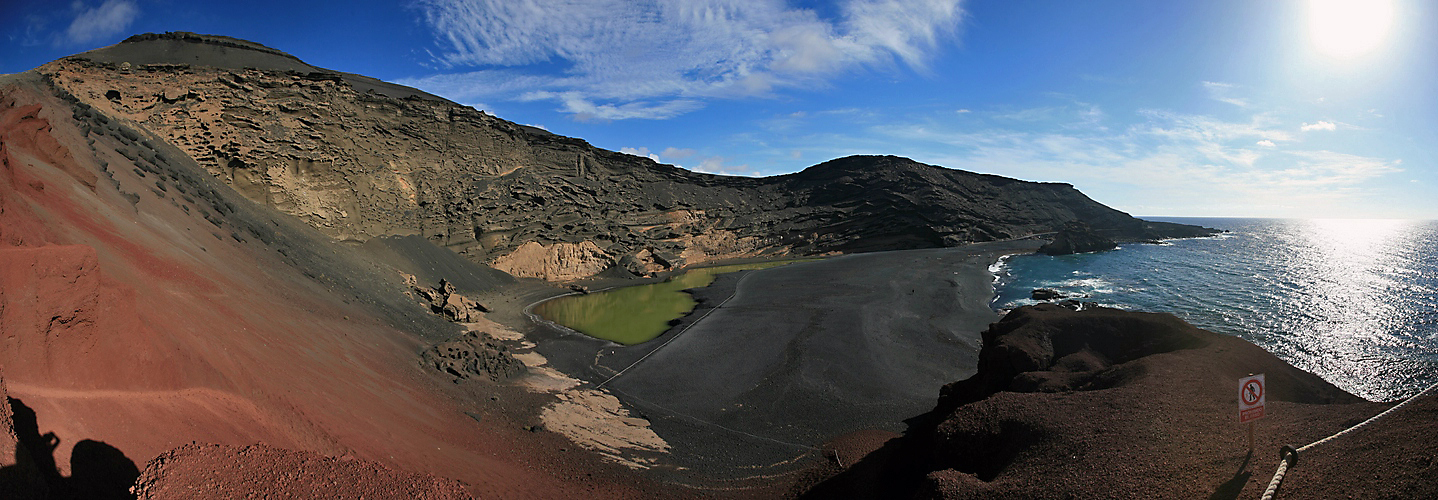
(1288, 455)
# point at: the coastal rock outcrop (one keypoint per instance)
(1046, 294)
(1100, 402)
(1077, 237)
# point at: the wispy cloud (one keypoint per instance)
(109, 19)
(715, 165)
(1321, 125)
(640, 152)
(670, 54)
(585, 110)
(1165, 163)
(1220, 92)
(673, 153)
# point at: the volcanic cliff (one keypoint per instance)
(173, 213)
(358, 159)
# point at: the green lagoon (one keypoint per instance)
(636, 314)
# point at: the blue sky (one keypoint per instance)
(1201, 108)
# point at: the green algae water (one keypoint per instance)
(636, 314)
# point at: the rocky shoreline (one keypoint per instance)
(1117, 404)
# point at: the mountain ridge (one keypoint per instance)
(360, 163)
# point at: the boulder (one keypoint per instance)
(445, 301)
(1046, 294)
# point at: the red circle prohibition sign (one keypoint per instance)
(1252, 391)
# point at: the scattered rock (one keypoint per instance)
(1047, 294)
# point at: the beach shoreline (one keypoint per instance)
(888, 351)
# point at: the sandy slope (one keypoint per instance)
(146, 308)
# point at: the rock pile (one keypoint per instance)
(445, 301)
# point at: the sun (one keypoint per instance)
(1348, 28)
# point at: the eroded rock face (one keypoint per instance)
(557, 262)
(358, 158)
(473, 355)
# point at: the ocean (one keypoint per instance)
(1353, 301)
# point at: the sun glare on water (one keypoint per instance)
(1348, 28)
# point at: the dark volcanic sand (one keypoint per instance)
(801, 354)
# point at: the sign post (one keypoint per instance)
(1252, 394)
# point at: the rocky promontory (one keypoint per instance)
(1103, 403)
(1077, 237)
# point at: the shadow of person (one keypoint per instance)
(97, 470)
(1230, 489)
(100, 471)
(40, 446)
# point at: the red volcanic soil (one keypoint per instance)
(216, 471)
(142, 309)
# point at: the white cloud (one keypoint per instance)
(962, 111)
(640, 152)
(1321, 125)
(109, 19)
(618, 52)
(1219, 91)
(673, 153)
(1173, 163)
(715, 165)
(586, 110)
(1205, 128)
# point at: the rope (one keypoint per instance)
(1289, 456)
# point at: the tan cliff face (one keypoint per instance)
(314, 148)
(358, 159)
(358, 166)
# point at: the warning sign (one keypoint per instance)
(1251, 396)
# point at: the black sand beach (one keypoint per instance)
(797, 355)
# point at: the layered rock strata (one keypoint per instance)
(359, 159)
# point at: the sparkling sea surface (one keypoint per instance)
(1354, 301)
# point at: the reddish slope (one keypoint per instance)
(145, 306)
